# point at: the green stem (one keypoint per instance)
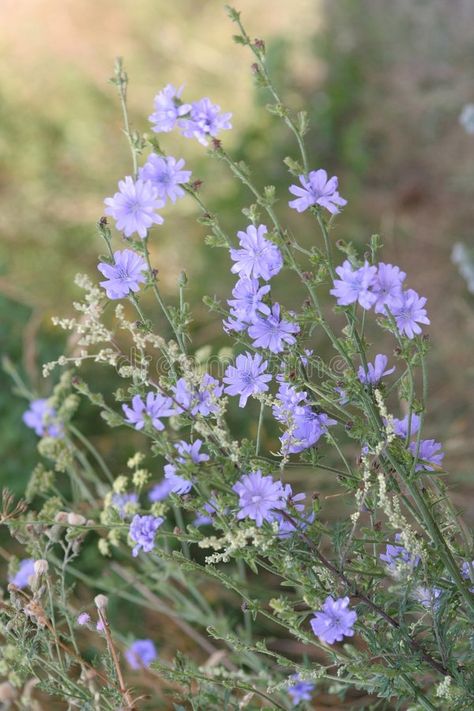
(247, 614)
(63, 597)
(53, 622)
(121, 80)
(161, 303)
(418, 694)
(134, 301)
(97, 456)
(259, 428)
(270, 86)
(441, 545)
(327, 241)
(180, 523)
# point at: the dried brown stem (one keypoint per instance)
(113, 653)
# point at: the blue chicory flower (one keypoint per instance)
(257, 257)
(204, 120)
(300, 690)
(387, 287)
(124, 502)
(154, 407)
(168, 109)
(294, 502)
(429, 597)
(143, 531)
(248, 377)
(410, 313)
(134, 207)
(166, 174)
(247, 302)
(188, 452)
(375, 371)
(273, 332)
(343, 396)
(305, 427)
(141, 653)
(429, 453)
(161, 490)
(205, 517)
(334, 621)
(123, 276)
(201, 400)
(178, 484)
(259, 496)
(397, 557)
(467, 572)
(42, 418)
(317, 190)
(355, 285)
(26, 570)
(289, 402)
(405, 425)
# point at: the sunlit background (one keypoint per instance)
(384, 83)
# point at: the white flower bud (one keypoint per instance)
(41, 566)
(74, 519)
(61, 517)
(101, 602)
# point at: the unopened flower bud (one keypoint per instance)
(101, 602)
(74, 519)
(41, 567)
(61, 517)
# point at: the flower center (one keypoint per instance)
(247, 378)
(164, 178)
(134, 206)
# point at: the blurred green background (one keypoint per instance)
(384, 84)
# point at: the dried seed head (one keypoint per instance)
(36, 612)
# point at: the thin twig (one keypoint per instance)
(113, 653)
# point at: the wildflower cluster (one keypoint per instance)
(380, 286)
(378, 595)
